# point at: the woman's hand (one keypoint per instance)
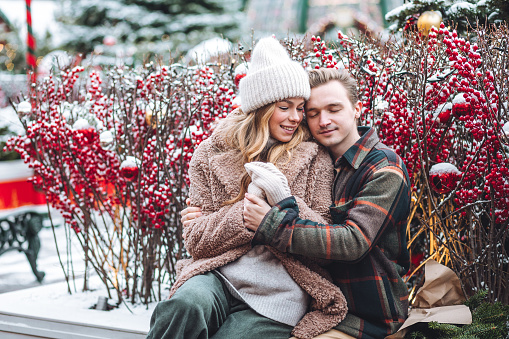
(254, 211)
(190, 213)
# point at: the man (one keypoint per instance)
(366, 243)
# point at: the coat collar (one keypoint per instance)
(225, 163)
(356, 153)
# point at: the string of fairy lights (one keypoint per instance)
(8, 52)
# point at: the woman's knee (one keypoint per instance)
(192, 300)
(198, 293)
(182, 307)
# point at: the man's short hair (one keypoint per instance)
(322, 76)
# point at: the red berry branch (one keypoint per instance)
(111, 152)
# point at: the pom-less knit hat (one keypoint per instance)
(272, 77)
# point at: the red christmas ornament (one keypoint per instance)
(444, 177)
(445, 113)
(89, 134)
(444, 116)
(460, 106)
(109, 40)
(240, 72)
(129, 168)
(237, 79)
(129, 173)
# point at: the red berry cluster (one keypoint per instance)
(323, 56)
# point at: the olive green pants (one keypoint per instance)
(203, 308)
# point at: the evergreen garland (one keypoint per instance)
(489, 321)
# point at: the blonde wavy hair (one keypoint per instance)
(249, 133)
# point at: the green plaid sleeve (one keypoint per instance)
(358, 222)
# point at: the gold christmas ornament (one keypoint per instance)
(427, 20)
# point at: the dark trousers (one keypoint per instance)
(203, 308)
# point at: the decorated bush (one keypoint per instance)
(111, 152)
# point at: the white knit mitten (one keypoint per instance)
(253, 189)
(267, 177)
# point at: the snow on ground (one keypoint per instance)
(51, 298)
(56, 295)
(16, 273)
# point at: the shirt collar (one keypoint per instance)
(357, 152)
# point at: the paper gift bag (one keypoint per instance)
(439, 299)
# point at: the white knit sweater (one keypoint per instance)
(259, 279)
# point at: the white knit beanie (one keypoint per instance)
(272, 77)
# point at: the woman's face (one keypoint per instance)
(286, 118)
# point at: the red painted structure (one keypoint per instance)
(15, 191)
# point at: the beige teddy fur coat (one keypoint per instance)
(220, 237)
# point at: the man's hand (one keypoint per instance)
(190, 213)
(254, 211)
(265, 176)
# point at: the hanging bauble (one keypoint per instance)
(236, 103)
(427, 20)
(445, 113)
(505, 129)
(87, 131)
(24, 107)
(460, 106)
(109, 40)
(445, 116)
(106, 139)
(239, 73)
(444, 177)
(129, 168)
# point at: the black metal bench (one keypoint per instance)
(20, 232)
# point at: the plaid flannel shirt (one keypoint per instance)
(366, 244)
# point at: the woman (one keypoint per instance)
(229, 289)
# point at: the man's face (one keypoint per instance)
(332, 117)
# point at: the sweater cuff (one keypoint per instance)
(272, 230)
